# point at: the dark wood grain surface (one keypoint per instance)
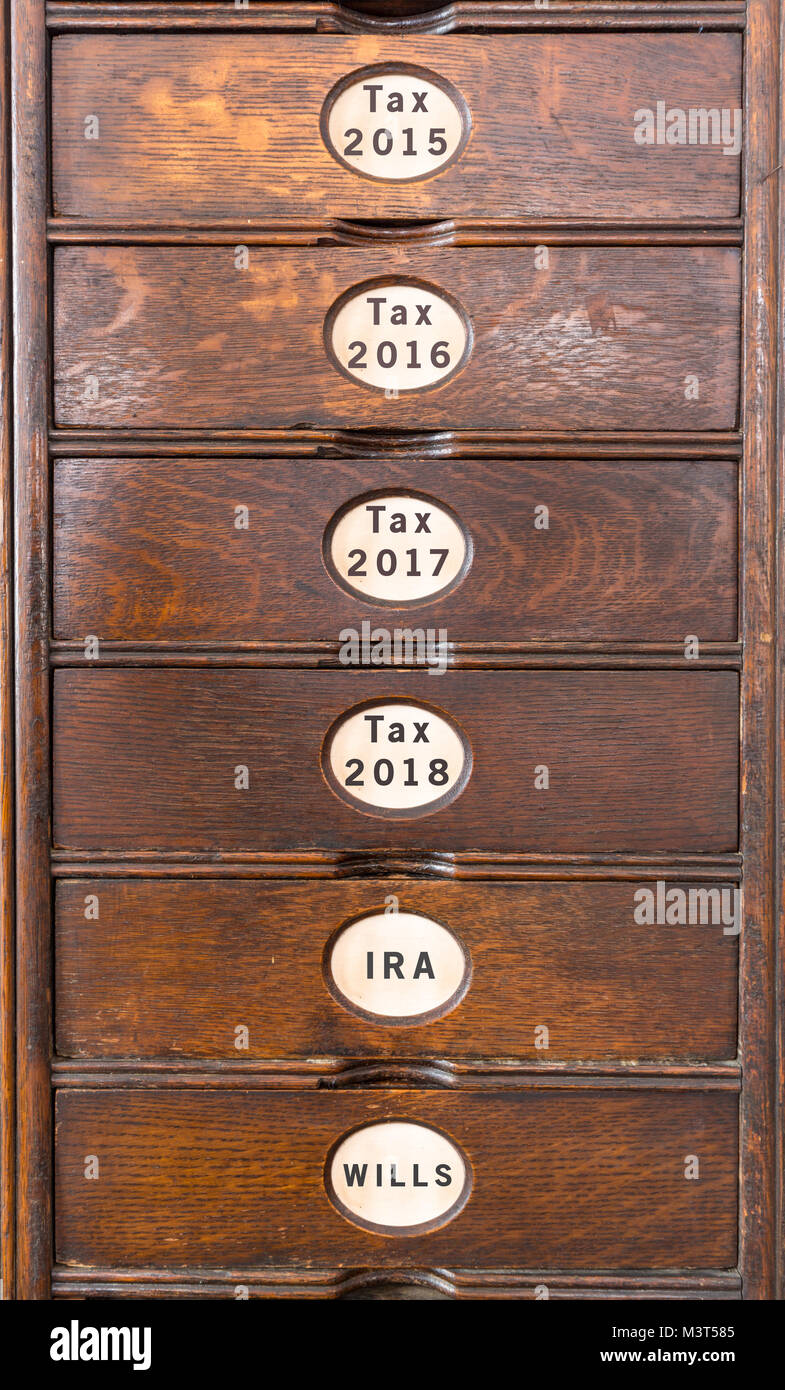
(214, 1179)
(147, 550)
(226, 126)
(605, 338)
(569, 956)
(581, 1180)
(30, 323)
(637, 760)
(7, 753)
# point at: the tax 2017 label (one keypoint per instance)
(397, 548)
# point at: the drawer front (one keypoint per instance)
(218, 126)
(556, 971)
(236, 550)
(604, 338)
(559, 1178)
(240, 760)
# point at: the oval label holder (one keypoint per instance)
(397, 758)
(395, 123)
(397, 548)
(398, 335)
(397, 1177)
(396, 968)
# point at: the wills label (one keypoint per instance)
(397, 1178)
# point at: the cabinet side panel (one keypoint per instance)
(759, 732)
(28, 55)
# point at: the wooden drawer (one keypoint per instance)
(560, 1178)
(584, 961)
(221, 126)
(605, 338)
(161, 550)
(159, 759)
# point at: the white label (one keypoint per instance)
(393, 336)
(398, 1178)
(396, 759)
(394, 123)
(397, 548)
(397, 968)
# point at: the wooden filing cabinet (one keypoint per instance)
(396, 877)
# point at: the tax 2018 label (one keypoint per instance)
(396, 758)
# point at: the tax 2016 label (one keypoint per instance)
(398, 336)
(395, 123)
(396, 758)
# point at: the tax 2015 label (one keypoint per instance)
(395, 123)
(396, 758)
(398, 336)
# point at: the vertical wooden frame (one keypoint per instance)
(7, 1029)
(25, 786)
(31, 478)
(760, 735)
(779, 819)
